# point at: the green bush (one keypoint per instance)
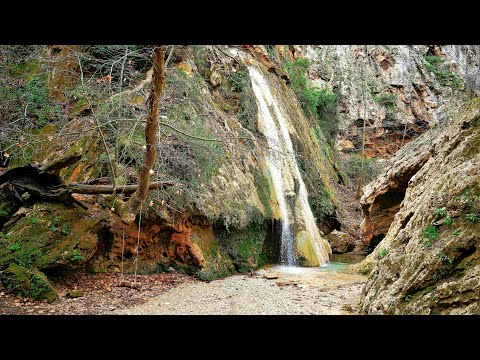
(444, 258)
(14, 247)
(319, 103)
(76, 256)
(427, 243)
(441, 211)
(448, 221)
(238, 79)
(472, 217)
(386, 100)
(444, 77)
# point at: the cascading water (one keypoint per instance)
(282, 165)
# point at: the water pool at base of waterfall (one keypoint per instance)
(297, 270)
(337, 263)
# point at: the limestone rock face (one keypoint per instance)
(340, 242)
(382, 198)
(404, 98)
(429, 260)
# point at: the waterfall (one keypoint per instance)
(284, 171)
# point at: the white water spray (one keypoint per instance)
(282, 164)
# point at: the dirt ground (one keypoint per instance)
(276, 290)
(102, 294)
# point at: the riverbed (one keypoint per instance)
(276, 290)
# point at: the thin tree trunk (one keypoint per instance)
(133, 205)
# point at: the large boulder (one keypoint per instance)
(340, 242)
(45, 237)
(24, 282)
(50, 235)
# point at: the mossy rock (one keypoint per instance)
(28, 283)
(242, 246)
(50, 236)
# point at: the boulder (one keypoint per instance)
(50, 236)
(28, 283)
(340, 242)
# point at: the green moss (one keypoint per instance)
(43, 243)
(263, 186)
(234, 250)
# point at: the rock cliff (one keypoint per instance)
(428, 262)
(400, 90)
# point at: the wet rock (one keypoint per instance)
(340, 242)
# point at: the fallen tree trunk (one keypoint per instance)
(108, 189)
(29, 184)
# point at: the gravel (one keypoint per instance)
(315, 293)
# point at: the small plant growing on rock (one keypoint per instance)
(427, 243)
(444, 76)
(37, 287)
(33, 220)
(448, 221)
(383, 253)
(237, 80)
(76, 256)
(430, 232)
(14, 247)
(386, 100)
(472, 217)
(456, 232)
(65, 230)
(407, 297)
(54, 226)
(441, 211)
(445, 258)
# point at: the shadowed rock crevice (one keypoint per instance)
(382, 198)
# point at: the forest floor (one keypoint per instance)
(275, 290)
(102, 294)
